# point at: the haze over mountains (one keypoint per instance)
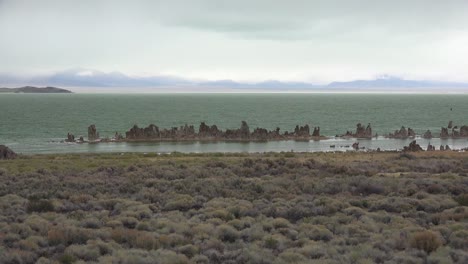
(85, 79)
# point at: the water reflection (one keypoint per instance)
(333, 144)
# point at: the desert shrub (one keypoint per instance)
(425, 240)
(316, 232)
(434, 204)
(159, 256)
(22, 230)
(84, 252)
(123, 235)
(421, 195)
(227, 233)
(458, 214)
(129, 222)
(459, 239)
(172, 240)
(114, 224)
(212, 244)
(93, 223)
(435, 188)
(253, 254)
(290, 256)
(80, 198)
(392, 205)
(34, 243)
(462, 199)
(280, 223)
(181, 202)
(253, 233)
(359, 203)
(143, 226)
(288, 233)
(39, 205)
(455, 189)
(314, 251)
(19, 256)
(305, 208)
(271, 242)
(37, 224)
(216, 164)
(64, 235)
(200, 259)
(366, 186)
(188, 250)
(354, 211)
(238, 224)
(10, 239)
(146, 241)
(135, 239)
(66, 259)
(406, 155)
(222, 214)
(356, 234)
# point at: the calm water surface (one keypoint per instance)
(35, 123)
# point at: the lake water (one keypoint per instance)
(36, 123)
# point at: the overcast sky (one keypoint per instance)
(243, 40)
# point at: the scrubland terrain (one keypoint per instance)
(235, 208)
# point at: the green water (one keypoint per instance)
(30, 122)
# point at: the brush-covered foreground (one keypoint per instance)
(235, 208)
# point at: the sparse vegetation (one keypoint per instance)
(425, 240)
(235, 208)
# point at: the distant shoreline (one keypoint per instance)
(32, 89)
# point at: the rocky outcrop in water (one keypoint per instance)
(356, 145)
(118, 136)
(135, 132)
(361, 132)
(153, 132)
(303, 131)
(6, 153)
(444, 132)
(206, 132)
(403, 133)
(316, 132)
(413, 147)
(244, 133)
(453, 131)
(427, 134)
(430, 147)
(70, 138)
(93, 135)
(464, 131)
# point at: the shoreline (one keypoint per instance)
(232, 146)
(290, 154)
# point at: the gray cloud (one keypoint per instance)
(315, 18)
(296, 40)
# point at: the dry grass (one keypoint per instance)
(235, 208)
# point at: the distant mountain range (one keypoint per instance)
(32, 89)
(90, 78)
